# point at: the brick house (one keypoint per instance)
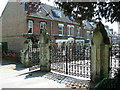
(61, 28)
(113, 36)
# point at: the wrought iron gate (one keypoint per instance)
(71, 58)
(114, 61)
(34, 56)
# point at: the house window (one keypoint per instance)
(30, 26)
(59, 47)
(42, 26)
(72, 30)
(88, 34)
(68, 28)
(92, 33)
(64, 46)
(57, 13)
(60, 26)
(78, 31)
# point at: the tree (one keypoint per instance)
(91, 10)
(31, 7)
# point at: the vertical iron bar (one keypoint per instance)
(111, 61)
(76, 58)
(119, 56)
(72, 57)
(66, 61)
(80, 54)
(68, 47)
(90, 62)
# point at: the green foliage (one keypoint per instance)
(106, 74)
(87, 10)
(108, 83)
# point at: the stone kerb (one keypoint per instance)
(100, 55)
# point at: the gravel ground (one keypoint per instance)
(68, 81)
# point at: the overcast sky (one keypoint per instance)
(113, 26)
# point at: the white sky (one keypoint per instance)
(2, 6)
(113, 26)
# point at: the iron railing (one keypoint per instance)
(71, 59)
(114, 61)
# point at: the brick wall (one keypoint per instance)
(13, 26)
(55, 30)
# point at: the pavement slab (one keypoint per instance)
(17, 79)
(15, 75)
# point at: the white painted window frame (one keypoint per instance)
(68, 30)
(78, 31)
(72, 33)
(62, 28)
(88, 34)
(43, 24)
(30, 26)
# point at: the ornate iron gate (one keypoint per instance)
(114, 61)
(71, 58)
(34, 56)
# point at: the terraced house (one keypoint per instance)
(15, 23)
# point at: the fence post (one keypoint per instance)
(100, 55)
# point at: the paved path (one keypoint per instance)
(12, 76)
(15, 75)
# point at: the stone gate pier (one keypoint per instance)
(100, 55)
(45, 52)
(36, 51)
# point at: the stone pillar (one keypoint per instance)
(100, 55)
(45, 52)
(24, 53)
(22, 56)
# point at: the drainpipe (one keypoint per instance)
(51, 33)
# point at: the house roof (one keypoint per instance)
(88, 25)
(48, 9)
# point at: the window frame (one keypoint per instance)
(60, 26)
(72, 30)
(78, 31)
(68, 30)
(88, 35)
(30, 26)
(42, 23)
